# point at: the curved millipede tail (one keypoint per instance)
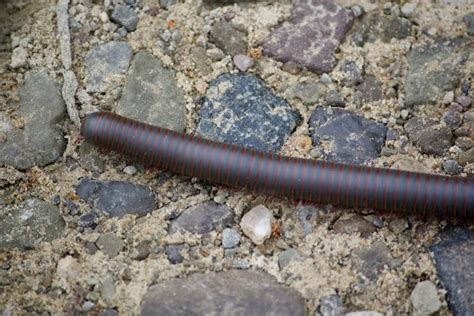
(321, 182)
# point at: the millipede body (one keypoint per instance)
(321, 182)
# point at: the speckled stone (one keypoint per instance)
(117, 198)
(429, 136)
(234, 292)
(202, 218)
(434, 69)
(424, 298)
(228, 38)
(240, 109)
(371, 260)
(126, 17)
(151, 94)
(353, 139)
(106, 65)
(378, 26)
(315, 31)
(354, 224)
(454, 257)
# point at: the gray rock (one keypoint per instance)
(203, 218)
(235, 292)
(240, 109)
(452, 167)
(289, 255)
(371, 260)
(315, 31)
(40, 141)
(469, 21)
(424, 299)
(174, 253)
(29, 223)
(452, 119)
(331, 305)
(19, 57)
(378, 26)
(334, 98)
(151, 94)
(243, 62)
(429, 136)
(106, 65)
(454, 257)
(351, 224)
(353, 139)
(308, 91)
(352, 74)
(228, 38)
(90, 158)
(434, 69)
(125, 17)
(167, 3)
(464, 100)
(408, 9)
(117, 198)
(369, 90)
(201, 61)
(110, 244)
(466, 157)
(230, 238)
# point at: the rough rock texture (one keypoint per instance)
(151, 94)
(371, 260)
(384, 27)
(434, 69)
(348, 137)
(203, 218)
(125, 17)
(240, 109)
(228, 38)
(106, 65)
(311, 37)
(424, 298)
(429, 136)
(117, 198)
(40, 141)
(454, 256)
(29, 223)
(227, 293)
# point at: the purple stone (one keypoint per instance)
(311, 37)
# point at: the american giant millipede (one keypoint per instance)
(295, 178)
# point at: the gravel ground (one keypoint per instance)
(384, 84)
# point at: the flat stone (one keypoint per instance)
(106, 65)
(289, 255)
(315, 31)
(454, 257)
(240, 109)
(352, 224)
(228, 38)
(452, 167)
(331, 305)
(466, 157)
(174, 253)
(352, 73)
(117, 198)
(434, 69)
(235, 292)
(350, 138)
(469, 21)
(371, 260)
(424, 299)
(243, 62)
(369, 90)
(230, 238)
(378, 26)
(19, 57)
(90, 158)
(29, 223)
(151, 94)
(203, 218)
(308, 91)
(257, 224)
(40, 142)
(110, 244)
(125, 17)
(429, 136)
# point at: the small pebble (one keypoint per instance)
(125, 17)
(68, 268)
(130, 170)
(424, 298)
(325, 78)
(455, 107)
(257, 224)
(243, 62)
(452, 167)
(291, 67)
(19, 57)
(357, 11)
(464, 142)
(404, 114)
(408, 9)
(464, 100)
(452, 119)
(448, 97)
(230, 238)
(174, 253)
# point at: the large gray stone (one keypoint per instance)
(106, 65)
(40, 141)
(234, 292)
(29, 223)
(240, 109)
(315, 31)
(203, 218)
(434, 69)
(350, 138)
(117, 198)
(151, 94)
(454, 256)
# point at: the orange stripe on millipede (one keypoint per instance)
(249, 168)
(348, 185)
(230, 165)
(105, 132)
(154, 145)
(366, 193)
(119, 142)
(261, 157)
(240, 164)
(196, 141)
(425, 196)
(277, 175)
(303, 186)
(395, 190)
(465, 198)
(456, 188)
(213, 152)
(221, 150)
(324, 169)
(376, 191)
(163, 150)
(96, 128)
(147, 145)
(408, 178)
(266, 180)
(358, 186)
(339, 184)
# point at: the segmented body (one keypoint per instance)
(322, 182)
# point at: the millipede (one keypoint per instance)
(314, 181)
